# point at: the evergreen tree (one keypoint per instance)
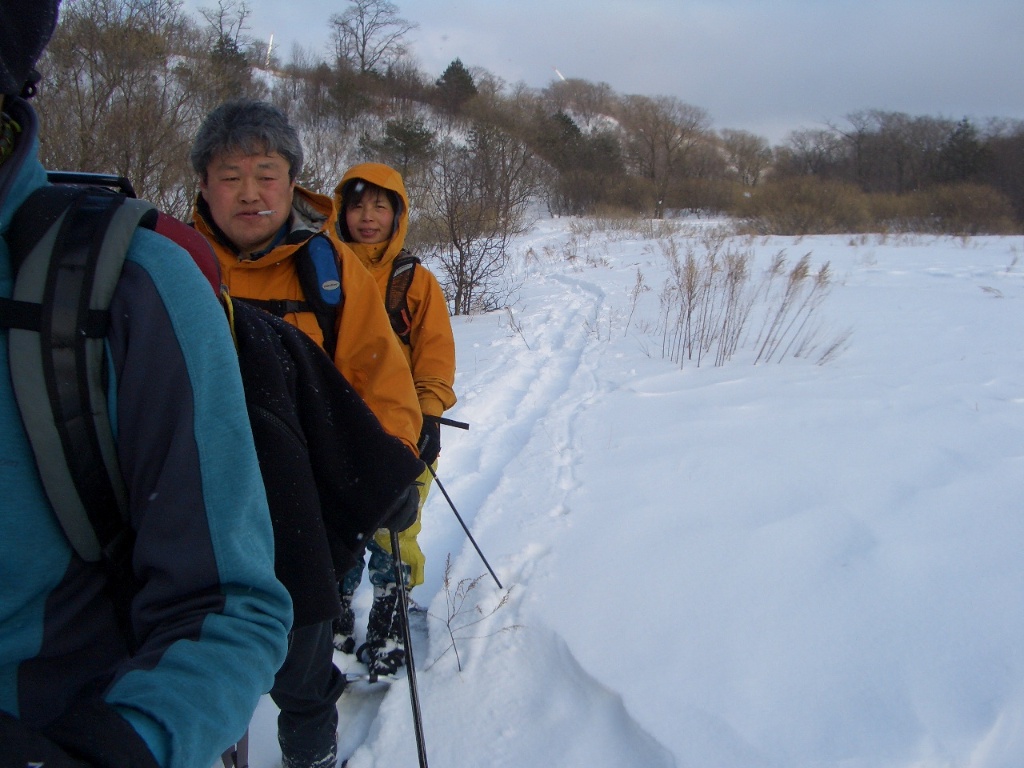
(406, 143)
(455, 87)
(963, 157)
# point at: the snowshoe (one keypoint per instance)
(384, 649)
(345, 627)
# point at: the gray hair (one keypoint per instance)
(250, 127)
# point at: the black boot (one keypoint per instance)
(327, 760)
(345, 627)
(384, 649)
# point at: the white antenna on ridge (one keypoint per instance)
(270, 47)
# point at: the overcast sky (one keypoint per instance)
(766, 67)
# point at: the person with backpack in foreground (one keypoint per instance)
(275, 249)
(172, 678)
(373, 219)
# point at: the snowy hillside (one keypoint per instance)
(776, 566)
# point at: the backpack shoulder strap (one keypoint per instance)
(197, 246)
(317, 264)
(68, 245)
(319, 272)
(396, 295)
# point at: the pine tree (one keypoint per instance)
(455, 87)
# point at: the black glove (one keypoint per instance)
(22, 747)
(429, 444)
(402, 512)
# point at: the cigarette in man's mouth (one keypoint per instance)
(264, 213)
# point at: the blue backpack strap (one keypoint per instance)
(68, 245)
(319, 270)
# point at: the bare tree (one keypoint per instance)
(748, 154)
(812, 152)
(228, 21)
(1005, 142)
(475, 204)
(589, 103)
(370, 35)
(661, 132)
(225, 71)
(112, 99)
(329, 113)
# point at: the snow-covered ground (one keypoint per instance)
(787, 565)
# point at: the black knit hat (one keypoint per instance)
(25, 28)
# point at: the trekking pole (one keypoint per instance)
(464, 526)
(460, 425)
(448, 422)
(414, 697)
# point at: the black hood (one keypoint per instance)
(25, 28)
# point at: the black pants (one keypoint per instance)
(306, 690)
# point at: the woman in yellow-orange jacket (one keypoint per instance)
(372, 218)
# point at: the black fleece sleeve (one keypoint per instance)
(20, 746)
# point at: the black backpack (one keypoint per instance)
(67, 246)
(396, 295)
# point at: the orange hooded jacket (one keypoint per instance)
(431, 349)
(368, 354)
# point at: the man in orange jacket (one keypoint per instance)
(269, 234)
(258, 220)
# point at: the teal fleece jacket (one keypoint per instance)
(211, 615)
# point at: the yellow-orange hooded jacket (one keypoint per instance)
(431, 349)
(367, 354)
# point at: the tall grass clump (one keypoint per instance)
(712, 307)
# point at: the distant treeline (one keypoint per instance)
(126, 83)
